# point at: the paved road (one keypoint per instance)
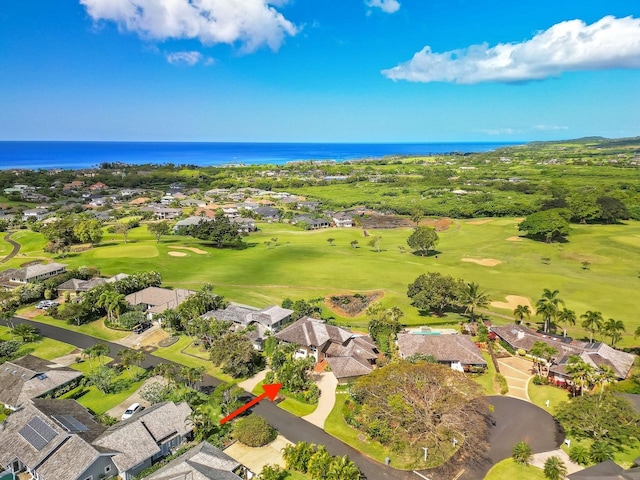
(14, 244)
(516, 421)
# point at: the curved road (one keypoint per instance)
(14, 244)
(516, 420)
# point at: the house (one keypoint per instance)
(593, 353)
(38, 214)
(202, 462)
(188, 222)
(307, 205)
(455, 351)
(606, 471)
(52, 440)
(192, 202)
(267, 213)
(98, 186)
(146, 437)
(76, 286)
(342, 220)
(245, 225)
(30, 377)
(157, 300)
(165, 213)
(349, 355)
(313, 223)
(34, 273)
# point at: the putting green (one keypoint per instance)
(127, 251)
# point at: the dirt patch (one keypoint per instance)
(480, 222)
(199, 251)
(485, 262)
(168, 341)
(373, 221)
(155, 338)
(177, 254)
(515, 239)
(31, 314)
(440, 224)
(348, 305)
(512, 302)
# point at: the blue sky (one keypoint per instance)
(323, 70)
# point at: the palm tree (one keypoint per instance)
(26, 332)
(202, 423)
(554, 468)
(166, 370)
(613, 329)
(601, 451)
(472, 298)
(522, 311)
(603, 377)
(592, 322)
(191, 375)
(566, 316)
(548, 306)
(341, 468)
(522, 453)
(580, 372)
(579, 454)
(541, 351)
(319, 463)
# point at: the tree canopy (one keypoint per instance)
(549, 225)
(435, 292)
(220, 231)
(412, 405)
(423, 239)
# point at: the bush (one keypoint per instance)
(540, 380)
(253, 431)
(504, 387)
(521, 352)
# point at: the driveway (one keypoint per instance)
(517, 371)
(327, 383)
(117, 411)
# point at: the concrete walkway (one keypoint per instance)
(540, 458)
(117, 411)
(15, 247)
(257, 457)
(327, 384)
(250, 383)
(517, 372)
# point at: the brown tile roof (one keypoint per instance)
(158, 298)
(347, 367)
(445, 348)
(311, 332)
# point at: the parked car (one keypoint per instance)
(141, 327)
(46, 304)
(133, 408)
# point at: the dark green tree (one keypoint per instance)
(434, 292)
(159, 229)
(522, 453)
(548, 225)
(253, 431)
(220, 231)
(612, 209)
(423, 239)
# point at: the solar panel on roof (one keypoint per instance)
(70, 423)
(37, 433)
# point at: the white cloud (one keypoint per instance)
(567, 46)
(188, 58)
(550, 128)
(251, 23)
(387, 6)
(501, 131)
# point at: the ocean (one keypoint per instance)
(75, 155)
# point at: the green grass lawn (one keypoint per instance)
(304, 265)
(99, 402)
(182, 352)
(539, 394)
(43, 347)
(486, 379)
(291, 405)
(624, 458)
(94, 329)
(508, 469)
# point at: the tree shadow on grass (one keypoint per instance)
(432, 253)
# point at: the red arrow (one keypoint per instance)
(270, 391)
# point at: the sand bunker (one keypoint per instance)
(192, 249)
(485, 262)
(480, 222)
(512, 302)
(177, 254)
(514, 239)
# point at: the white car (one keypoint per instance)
(133, 408)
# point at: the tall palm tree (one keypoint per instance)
(592, 322)
(472, 298)
(548, 306)
(613, 329)
(581, 373)
(166, 370)
(566, 316)
(522, 311)
(554, 468)
(603, 377)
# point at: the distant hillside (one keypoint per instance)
(593, 142)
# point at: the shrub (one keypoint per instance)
(540, 380)
(521, 352)
(253, 431)
(522, 453)
(504, 387)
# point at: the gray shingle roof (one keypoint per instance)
(33, 271)
(137, 438)
(30, 377)
(311, 332)
(347, 367)
(445, 348)
(160, 299)
(202, 462)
